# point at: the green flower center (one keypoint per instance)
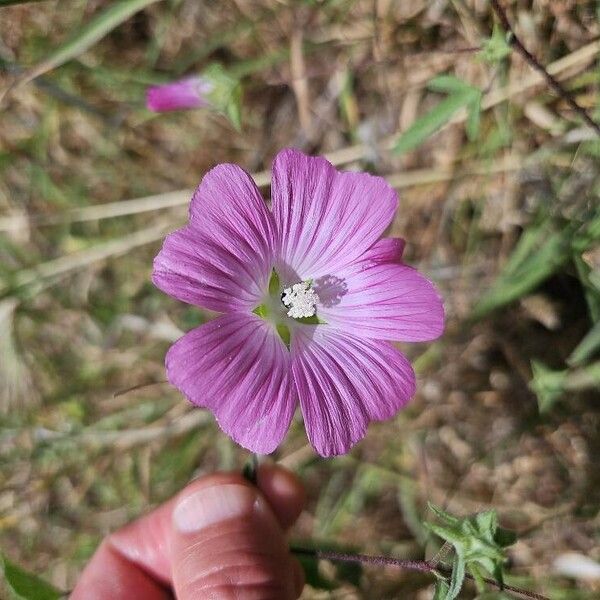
(285, 307)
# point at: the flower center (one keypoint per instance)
(300, 300)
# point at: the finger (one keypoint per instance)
(227, 543)
(110, 575)
(146, 542)
(284, 492)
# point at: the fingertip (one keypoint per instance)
(284, 492)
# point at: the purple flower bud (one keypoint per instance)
(183, 94)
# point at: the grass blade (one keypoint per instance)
(588, 346)
(429, 123)
(116, 14)
(11, 2)
(539, 253)
(25, 585)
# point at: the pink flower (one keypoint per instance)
(185, 93)
(310, 295)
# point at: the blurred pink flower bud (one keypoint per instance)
(187, 93)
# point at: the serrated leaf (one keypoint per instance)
(441, 590)
(487, 523)
(478, 544)
(497, 47)
(442, 515)
(25, 585)
(457, 578)
(114, 15)
(449, 534)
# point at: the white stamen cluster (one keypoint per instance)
(301, 300)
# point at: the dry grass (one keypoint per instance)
(81, 321)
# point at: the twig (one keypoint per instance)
(299, 81)
(57, 92)
(139, 386)
(125, 439)
(53, 270)
(422, 566)
(177, 199)
(537, 65)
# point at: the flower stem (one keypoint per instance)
(539, 67)
(250, 470)
(424, 566)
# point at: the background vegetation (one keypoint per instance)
(499, 181)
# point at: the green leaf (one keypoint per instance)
(284, 334)
(478, 544)
(586, 348)
(543, 248)
(455, 537)
(540, 252)
(428, 124)
(497, 47)
(442, 515)
(473, 118)
(25, 585)
(461, 95)
(486, 523)
(314, 320)
(457, 578)
(274, 284)
(550, 385)
(312, 575)
(11, 2)
(448, 84)
(505, 537)
(233, 110)
(591, 286)
(226, 93)
(114, 15)
(442, 589)
(262, 310)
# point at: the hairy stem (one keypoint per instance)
(250, 470)
(424, 566)
(516, 43)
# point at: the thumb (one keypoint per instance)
(227, 544)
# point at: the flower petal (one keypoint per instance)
(325, 219)
(344, 382)
(382, 299)
(178, 95)
(223, 258)
(238, 367)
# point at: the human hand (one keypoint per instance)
(219, 538)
